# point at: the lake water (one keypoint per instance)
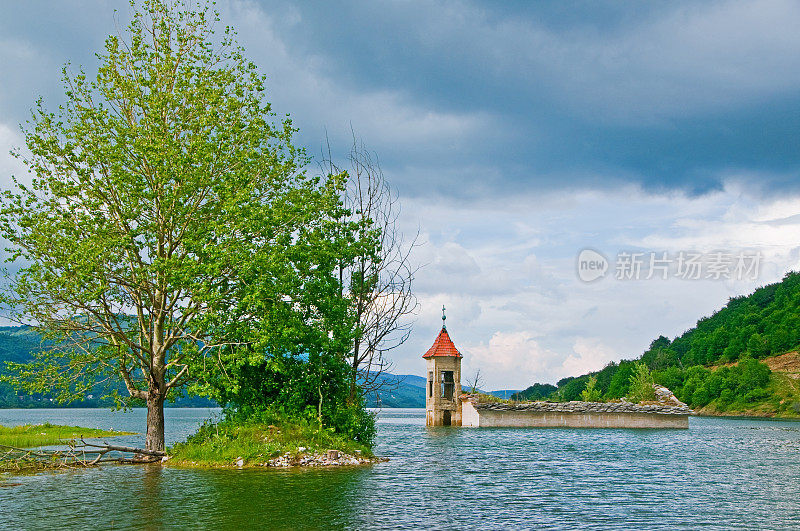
(718, 474)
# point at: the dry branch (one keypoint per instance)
(77, 455)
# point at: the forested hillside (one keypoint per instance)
(404, 390)
(722, 365)
(16, 345)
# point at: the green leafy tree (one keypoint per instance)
(694, 379)
(292, 340)
(570, 388)
(757, 346)
(780, 339)
(620, 382)
(702, 396)
(641, 384)
(671, 378)
(734, 349)
(165, 194)
(589, 393)
(605, 375)
(752, 374)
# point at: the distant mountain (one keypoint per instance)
(17, 343)
(399, 390)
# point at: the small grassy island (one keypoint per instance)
(259, 443)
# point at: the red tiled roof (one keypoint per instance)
(443, 346)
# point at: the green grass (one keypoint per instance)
(256, 442)
(30, 436)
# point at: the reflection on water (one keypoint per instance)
(721, 473)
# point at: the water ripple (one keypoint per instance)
(719, 474)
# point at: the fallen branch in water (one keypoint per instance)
(77, 455)
(105, 447)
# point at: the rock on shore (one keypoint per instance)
(329, 458)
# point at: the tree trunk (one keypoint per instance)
(354, 375)
(154, 440)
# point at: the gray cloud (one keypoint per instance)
(477, 100)
(517, 134)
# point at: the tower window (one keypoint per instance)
(430, 384)
(448, 385)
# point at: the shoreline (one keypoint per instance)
(325, 460)
(737, 415)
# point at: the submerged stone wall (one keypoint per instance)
(573, 414)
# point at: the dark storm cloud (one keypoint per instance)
(665, 95)
(472, 99)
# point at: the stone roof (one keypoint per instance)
(582, 407)
(443, 346)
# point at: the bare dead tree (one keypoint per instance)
(378, 283)
(476, 382)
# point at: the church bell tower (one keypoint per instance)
(442, 403)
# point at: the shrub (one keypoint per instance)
(292, 387)
(258, 438)
(756, 394)
(590, 393)
(701, 397)
(356, 423)
(641, 384)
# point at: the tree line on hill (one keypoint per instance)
(719, 360)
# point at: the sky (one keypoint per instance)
(517, 135)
